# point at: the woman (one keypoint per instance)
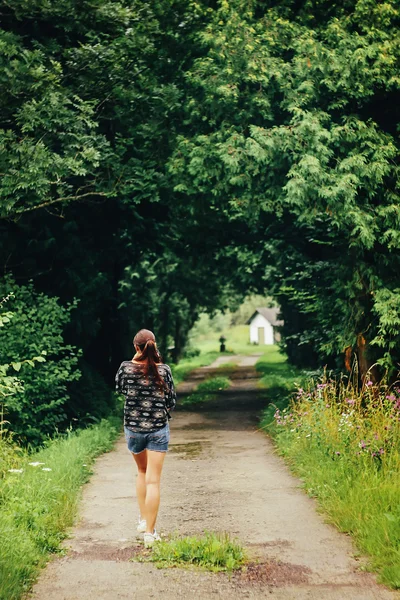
(148, 387)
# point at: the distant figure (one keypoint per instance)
(148, 387)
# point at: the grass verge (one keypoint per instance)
(212, 551)
(345, 445)
(181, 370)
(38, 501)
(278, 381)
(205, 391)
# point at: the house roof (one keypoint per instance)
(271, 314)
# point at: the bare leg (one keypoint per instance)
(155, 461)
(141, 462)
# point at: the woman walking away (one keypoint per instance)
(148, 387)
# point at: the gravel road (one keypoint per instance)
(221, 474)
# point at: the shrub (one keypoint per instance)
(37, 410)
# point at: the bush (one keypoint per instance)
(38, 410)
(191, 352)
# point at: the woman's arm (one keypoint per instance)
(170, 394)
(118, 380)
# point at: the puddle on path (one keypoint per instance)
(190, 450)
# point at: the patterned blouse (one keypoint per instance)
(146, 406)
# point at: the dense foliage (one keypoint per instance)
(36, 328)
(160, 159)
(293, 125)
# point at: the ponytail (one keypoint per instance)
(149, 356)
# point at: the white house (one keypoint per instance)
(263, 325)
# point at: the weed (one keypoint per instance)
(205, 391)
(212, 551)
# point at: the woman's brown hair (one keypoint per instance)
(149, 355)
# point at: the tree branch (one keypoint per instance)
(57, 201)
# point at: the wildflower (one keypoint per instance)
(369, 383)
(376, 436)
(327, 405)
(350, 401)
(15, 470)
(363, 444)
(381, 451)
(308, 435)
(35, 464)
(300, 392)
(338, 453)
(391, 397)
(397, 405)
(46, 469)
(321, 386)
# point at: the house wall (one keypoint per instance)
(260, 321)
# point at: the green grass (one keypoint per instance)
(205, 391)
(228, 366)
(278, 381)
(345, 445)
(212, 551)
(36, 506)
(185, 366)
(237, 341)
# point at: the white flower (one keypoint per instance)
(84, 465)
(36, 464)
(15, 470)
(46, 469)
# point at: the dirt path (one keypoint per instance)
(220, 475)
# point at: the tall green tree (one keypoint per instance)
(286, 125)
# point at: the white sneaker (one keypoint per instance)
(150, 538)
(141, 528)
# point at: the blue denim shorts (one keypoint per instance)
(154, 440)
